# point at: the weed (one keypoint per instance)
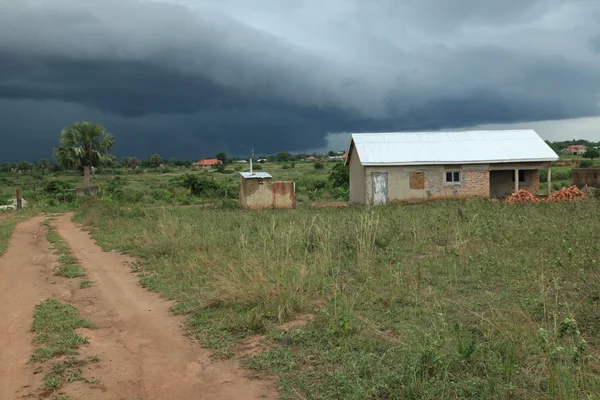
(54, 324)
(69, 265)
(84, 284)
(437, 300)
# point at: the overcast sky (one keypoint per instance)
(188, 78)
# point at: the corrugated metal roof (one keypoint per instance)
(469, 147)
(261, 175)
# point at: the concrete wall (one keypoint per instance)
(256, 194)
(415, 183)
(357, 179)
(283, 194)
(586, 176)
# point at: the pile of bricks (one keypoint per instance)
(567, 194)
(522, 197)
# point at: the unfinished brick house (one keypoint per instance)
(387, 167)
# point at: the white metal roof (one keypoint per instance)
(254, 175)
(469, 147)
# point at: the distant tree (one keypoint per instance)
(129, 162)
(319, 165)
(25, 166)
(172, 161)
(8, 167)
(43, 165)
(133, 162)
(154, 161)
(222, 157)
(331, 153)
(84, 145)
(591, 154)
(125, 162)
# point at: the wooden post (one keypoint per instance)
(549, 181)
(516, 180)
(19, 199)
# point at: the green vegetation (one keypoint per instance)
(453, 299)
(7, 225)
(69, 265)
(83, 146)
(8, 221)
(54, 325)
(84, 284)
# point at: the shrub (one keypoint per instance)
(161, 195)
(319, 165)
(200, 186)
(55, 186)
(586, 164)
(133, 196)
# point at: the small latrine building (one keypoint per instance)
(259, 191)
(416, 166)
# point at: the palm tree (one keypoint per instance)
(84, 145)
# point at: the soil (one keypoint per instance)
(143, 351)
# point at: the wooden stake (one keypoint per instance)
(19, 199)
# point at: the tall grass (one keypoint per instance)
(443, 300)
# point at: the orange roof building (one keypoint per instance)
(208, 163)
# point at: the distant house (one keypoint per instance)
(388, 167)
(241, 162)
(311, 158)
(261, 160)
(208, 163)
(576, 149)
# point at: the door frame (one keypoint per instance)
(385, 187)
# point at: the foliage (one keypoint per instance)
(319, 165)
(84, 145)
(57, 186)
(591, 153)
(153, 161)
(25, 166)
(199, 185)
(43, 165)
(221, 157)
(339, 176)
(130, 162)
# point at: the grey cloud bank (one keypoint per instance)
(190, 78)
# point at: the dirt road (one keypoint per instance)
(144, 354)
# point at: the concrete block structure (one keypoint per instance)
(388, 167)
(259, 191)
(586, 177)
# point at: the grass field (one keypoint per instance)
(454, 299)
(162, 186)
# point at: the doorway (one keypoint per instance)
(380, 192)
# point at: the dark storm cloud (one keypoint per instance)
(192, 77)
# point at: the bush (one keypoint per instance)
(319, 165)
(586, 164)
(200, 186)
(4, 199)
(133, 196)
(55, 186)
(161, 195)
